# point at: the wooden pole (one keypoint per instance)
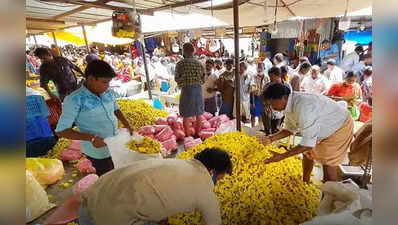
(237, 76)
(85, 39)
(145, 63)
(56, 44)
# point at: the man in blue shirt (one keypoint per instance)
(329, 51)
(94, 110)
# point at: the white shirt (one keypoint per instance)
(245, 86)
(335, 75)
(210, 82)
(315, 86)
(219, 72)
(315, 116)
(267, 65)
(252, 68)
(349, 61)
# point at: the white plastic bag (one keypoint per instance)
(121, 154)
(226, 127)
(344, 203)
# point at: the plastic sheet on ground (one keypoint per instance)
(343, 203)
(121, 155)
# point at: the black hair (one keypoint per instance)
(359, 49)
(229, 61)
(326, 41)
(41, 52)
(305, 65)
(276, 71)
(276, 91)
(27, 51)
(368, 70)
(218, 62)
(279, 57)
(370, 100)
(303, 59)
(349, 74)
(210, 61)
(283, 70)
(188, 47)
(215, 159)
(99, 68)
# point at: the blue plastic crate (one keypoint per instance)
(37, 128)
(35, 106)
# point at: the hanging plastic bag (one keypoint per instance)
(46, 171)
(36, 200)
(121, 154)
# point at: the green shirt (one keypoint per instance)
(189, 71)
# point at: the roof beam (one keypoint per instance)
(176, 5)
(77, 10)
(288, 9)
(45, 20)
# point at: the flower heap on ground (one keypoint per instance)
(147, 146)
(256, 193)
(139, 113)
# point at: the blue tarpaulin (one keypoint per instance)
(361, 37)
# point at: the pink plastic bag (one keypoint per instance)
(85, 166)
(170, 144)
(146, 130)
(75, 145)
(84, 183)
(70, 155)
(207, 115)
(188, 139)
(224, 118)
(159, 128)
(176, 125)
(192, 130)
(161, 121)
(180, 134)
(165, 134)
(192, 143)
(206, 124)
(205, 134)
(210, 130)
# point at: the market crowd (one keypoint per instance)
(318, 101)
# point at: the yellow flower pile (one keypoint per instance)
(256, 193)
(139, 113)
(56, 151)
(147, 146)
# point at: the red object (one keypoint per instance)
(171, 120)
(165, 134)
(341, 90)
(159, 128)
(188, 139)
(146, 130)
(206, 124)
(205, 134)
(54, 106)
(70, 155)
(366, 112)
(85, 166)
(161, 121)
(192, 143)
(75, 145)
(65, 213)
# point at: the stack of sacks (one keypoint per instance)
(170, 130)
(73, 152)
(190, 142)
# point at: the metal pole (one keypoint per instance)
(56, 44)
(142, 42)
(34, 38)
(85, 39)
(237, 76)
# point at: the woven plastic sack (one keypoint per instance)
(171, 120)
(146, 130)
(85, 166)
(164, 134)
(159, 128)
(36, 200)
(170, 144)
(193, 143)
(84, 183)
(210, 130)
(70, 155)
(46, 171)
(206, 124)
(161, 121)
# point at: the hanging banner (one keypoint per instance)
(265, 38)
(220, 32)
